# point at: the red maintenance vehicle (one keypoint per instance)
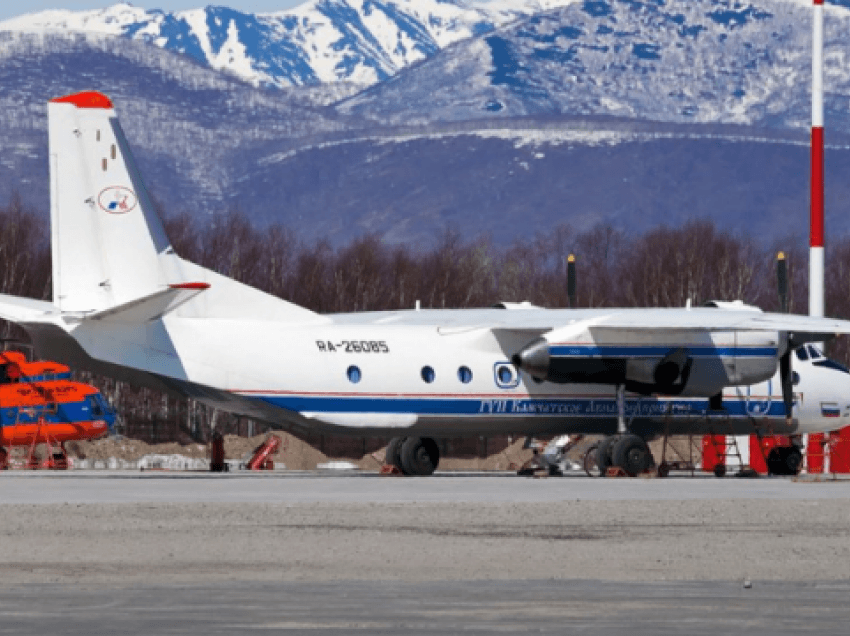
(40, 404)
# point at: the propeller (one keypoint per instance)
(786, 373)
(571, 280)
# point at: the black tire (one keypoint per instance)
(419, 456)
(794, 461)
(663, 469)
(393, 454)
(775, 462)
(604, 460)
(720, 470)
(631, 454)
(784, 460)
(591, 467)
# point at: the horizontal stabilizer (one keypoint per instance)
(151, 307)
(23, 310)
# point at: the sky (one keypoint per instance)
(13, 8)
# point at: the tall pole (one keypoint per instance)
(816, 243)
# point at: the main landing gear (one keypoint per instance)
(628, 452)
(413, 455)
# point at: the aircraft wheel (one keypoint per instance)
(793, 460)
(774, 461)
(591, 466)
(393, 455)
(631, 454)
(419, 456)
(784, 460)
(663, 469)
(603, 454)
(720, 470)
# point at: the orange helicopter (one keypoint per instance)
(40, 404)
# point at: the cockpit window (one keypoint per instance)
(832, 364)
(802, 354)
(96, 406)
(814, 353)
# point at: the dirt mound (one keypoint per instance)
(296, 454)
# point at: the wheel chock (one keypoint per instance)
(616, 471)
(390, 469)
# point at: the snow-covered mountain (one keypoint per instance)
(685, 61)
(629, 112)
(360, 41)
(187, 123)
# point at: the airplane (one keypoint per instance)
(126, 305)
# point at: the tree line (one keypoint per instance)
(663, 267)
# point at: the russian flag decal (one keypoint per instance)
(830, 409)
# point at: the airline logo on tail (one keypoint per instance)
(117, 200)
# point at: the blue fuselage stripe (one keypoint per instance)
(619, 351)
(522, 406)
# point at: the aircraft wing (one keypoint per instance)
(647, 320)
(669, 351)
(719, 320)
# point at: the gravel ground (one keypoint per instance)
(155, 543)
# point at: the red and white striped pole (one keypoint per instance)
(816, 253)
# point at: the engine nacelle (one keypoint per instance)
(733, 305)
(691, 363)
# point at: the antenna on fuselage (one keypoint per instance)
(571, 281)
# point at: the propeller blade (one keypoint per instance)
(782, 281)
(786, 374)
(571, 280)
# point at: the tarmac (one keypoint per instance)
(320, 553)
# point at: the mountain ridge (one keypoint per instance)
(320, 41)
(208, 142)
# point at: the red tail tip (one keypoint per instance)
(86, 99)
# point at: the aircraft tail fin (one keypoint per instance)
(109, 246)
(110, 250)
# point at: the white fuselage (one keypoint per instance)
(394, 373)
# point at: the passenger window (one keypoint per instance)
(428, 374)
(464, 374)
(802, 354)
(353, 373)
(506, 375)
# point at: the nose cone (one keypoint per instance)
(534, 359)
